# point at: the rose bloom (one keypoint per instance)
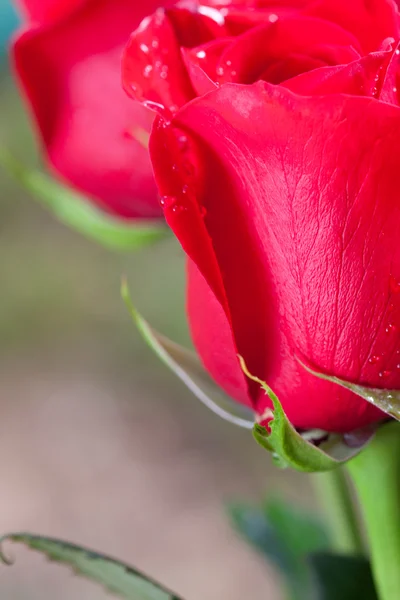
(276, 154)
(67, 60)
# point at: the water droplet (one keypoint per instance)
(384, 373)
(233, 73)
(147, 71)
(397, 51)
(220, 71)
(201, 54)
(394, 90)
(228, 63)
(167, 201)
(183, 142)
(185, 189)
(155, 44)
(394, 285)
(158, 64)
(203, 211)
(374, 359)
(171, 203)
(273, 18)
(212, 13)
(391, 328)
(160, 109)
(164, 72)
(178, 208)
(398, 366)
(144, 48)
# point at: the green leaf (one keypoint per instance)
(187, 366)
(386, 400)
(75, 211)
(290, 448)
(284, 535)
(342, 577)
(115, 576)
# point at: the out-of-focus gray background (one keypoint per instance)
(99, 444)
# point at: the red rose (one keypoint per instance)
(67, 59)
(284, 193)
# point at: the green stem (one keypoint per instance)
(376, 476)
(334, 495)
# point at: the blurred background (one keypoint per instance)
(99, 443)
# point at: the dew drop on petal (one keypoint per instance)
(374, 359)
(144, 48)
(394, 285)
(147, 71)
(383, 374)
(203, 211)
(201, 54)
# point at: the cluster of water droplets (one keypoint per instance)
(184, 171)
(379, 78)
(391, 332)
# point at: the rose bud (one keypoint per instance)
(275, 153)
(67, 61)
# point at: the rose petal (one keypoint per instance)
(304, 229)
(70, 74)
(152, 67)
(358, 78)
(370, 21)
(45, 11)
(251, 53)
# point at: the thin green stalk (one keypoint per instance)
(376, 476)
(334, 494)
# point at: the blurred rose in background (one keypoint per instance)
(99, 444)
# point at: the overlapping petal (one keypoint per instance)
(304, 231)
(92, 134)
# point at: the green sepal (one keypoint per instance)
(114, 575)
(186, 365)
(81, 215)
(289, 448)
(387, 401)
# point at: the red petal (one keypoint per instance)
(45, 11)
(152, 67)
(252, 53)
(201, 64)
(389, 83)
(301, 211)
(70, 73)
(371, 21)
(358, 78)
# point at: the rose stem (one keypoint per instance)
(376, 476)
(333, 491)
